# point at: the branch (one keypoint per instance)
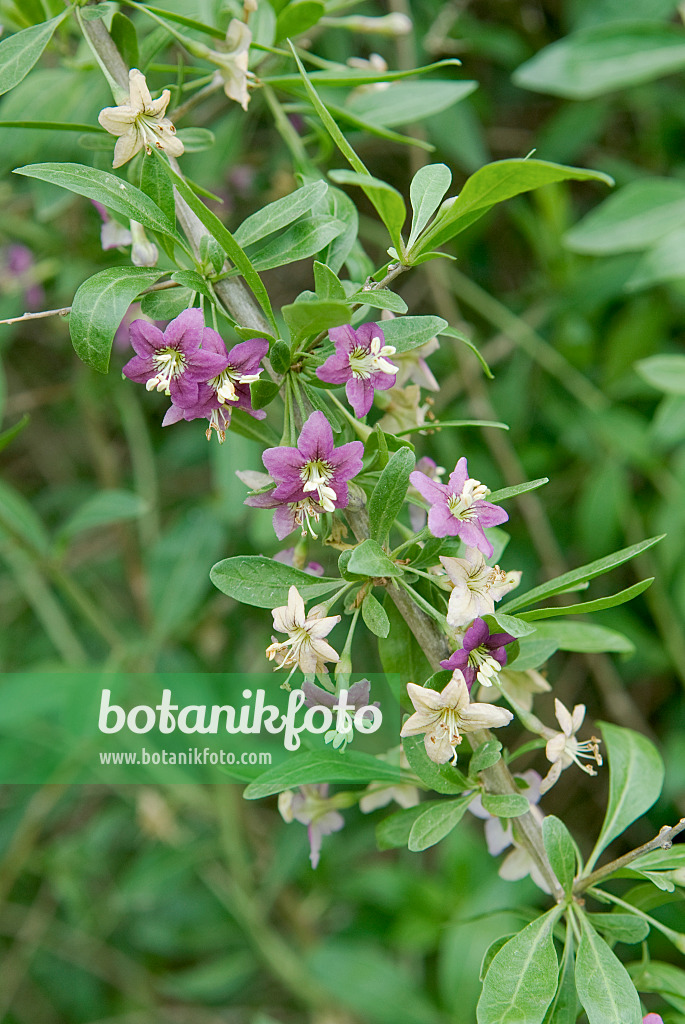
(38, 316)
(662, 841)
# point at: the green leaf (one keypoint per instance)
(493, 184)
(388, 495)
(408, 332)
(585, 607)
(380, 298)
(585, 637)
(590, 63)
(165, 304)
(19, 52)
(375, 616)
(123, 33)
(247, 426)
(394, 830)
(311, 317)
(560, 850)
(426, 191)
(621, 927)
(369, 559)
(511, 492)
(226, 240)
(196, 140)
(485, 756)
(452, 332)
(322, 766)
(533, 652)
(522, 978)
(386, 200)
(436, 822)
(105, 188)
(400, 652)
(443, 778)
(564, 1008)
(7, 436)
(264, 583)
(491, 952)
(98, 309)
(408, 102)
(636, 775)
(19, 521)
(586, 572)
(101, 510)
(297, 17)
(506, 805)
(194, 281)
(279, 214)
(666, 980)
(511, 624)
(604, 987)
(300, 241)
(156, 185)
(279, 355)
(631, 220)
(263, 392)
(665, 372)
(327, 285)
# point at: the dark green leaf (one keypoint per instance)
(388, 495)
(585, 607)
(511, 492)
(394, 830)
(263, 392)
(277, 215)
(155, 184)
(369, 559)
(304, 318)
(300, 241)
(297, 17)
(322, 766)
(485, 756)
(443, 778)
(408, 332)
(621, 927)
(386, 200)
(264, 583)
(560, 850)
(374, 616)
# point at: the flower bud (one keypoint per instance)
(144, 253)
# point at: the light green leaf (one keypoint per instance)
(297, 17)
(510, 624)
(522, 978)
(311, 317)
(636, 775)
(600, 60)
(264, 583)
(394, 830)
(665, 261)
(560, 850)
(322, 766)
(443, 778)
(485, 756)
(375, 616)
(621, 927)
(327, 284)
(380, 298)
(98, 309)
(300, 241)
(452, 332)
(564, 1008)
(506, 805)
(408, 332)
(105, 188)
(585, 572)
(369, 559)
(533, 652)
(604, 987)
(631, 220)
(385, 199)
(408, 102)
(666, 372)
(493, 184)
(511, 492)
(388, 495)
(585, 607)
(279, 214)
(18, 521)
(20, 51)
(436, 822)
(426, 191)
(101, 510)
(7, 436)
(584, 636)
(196, 140)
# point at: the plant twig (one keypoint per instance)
(38, 316)
(662, 841)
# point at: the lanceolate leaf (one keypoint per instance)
(636, 775)
(598, 605)
(389, 493)
(387, 201)
(437, 821)
(19, 52)
(560, 850)
(301, 240)
(580, 575)
(280, 213)
(98, 309)
(427, 190)
(604, 987)
(105, 188)
(522, 978)
(408, 332)
(394, 830)
(493, 184)
(264, 583)
(322, 766)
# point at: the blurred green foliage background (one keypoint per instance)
(143, 905)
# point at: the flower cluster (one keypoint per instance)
(189, 363)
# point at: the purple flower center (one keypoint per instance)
(169, 363)
(461, 506)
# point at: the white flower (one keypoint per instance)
(380, 794)
(232, 61)
(476, 587)
(314, 808)
(443, 717)
(563, 749)
(305, 647)
(140, 122)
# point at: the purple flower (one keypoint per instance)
(112, 233)
(21, 266)
(359, 362)
(314, 808)
(458, 509)
(173, 361)
(310, 479)
(227, 389)
(482, 656)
